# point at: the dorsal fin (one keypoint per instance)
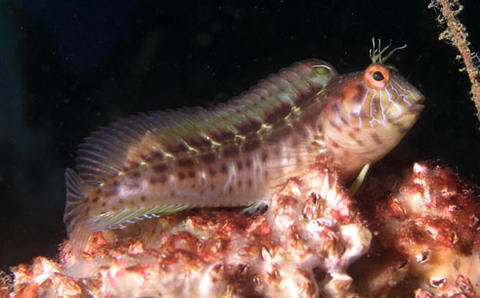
(185, 131)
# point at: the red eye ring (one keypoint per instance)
(376, 76)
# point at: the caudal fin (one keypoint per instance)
(75, 211)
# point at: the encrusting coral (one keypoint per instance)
(427, 238)
(300, 247)
(425, 243)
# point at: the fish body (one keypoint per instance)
(238, 153)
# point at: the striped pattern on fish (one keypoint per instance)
(237, 153)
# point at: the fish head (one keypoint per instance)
(367, 114)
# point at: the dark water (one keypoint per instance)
(68, 67)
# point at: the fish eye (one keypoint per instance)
(377, 76)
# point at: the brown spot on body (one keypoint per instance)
(352, 92)
(160, 168)
(224, 169)
(198, 142)
(335, 125)
(230, 189)
(248, 162)
(111, 193)
(191, 174)
(357, 92)
(251, 144)
(176, 148)
(208, 158)
(212, 172)
(212, 186)
(154, 155)
(104, 204)
(181, 175)
(230, 151)
(135, 175)
(160, 179)
(264, 156)
(239, 165)
(276, 113)
(186, 163)
(220, 136)
(95, 199)
(239, 183)
(352, 136)
(249, 182)
(248, 126)
(376, 138)
(143, 199)
(334, 144)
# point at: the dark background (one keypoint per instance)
(69, 67)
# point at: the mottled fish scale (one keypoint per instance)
(236, 153)
(190, 157)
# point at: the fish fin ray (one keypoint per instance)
(121, 218)
(126, 142)
(75, 207)
(253, 208)
(103, 153)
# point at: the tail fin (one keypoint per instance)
(75, 211)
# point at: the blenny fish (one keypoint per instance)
(239, 152)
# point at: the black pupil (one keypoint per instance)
(378, 76)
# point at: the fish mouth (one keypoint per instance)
(417, 108)
(419, 105)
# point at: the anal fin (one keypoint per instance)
(121, 218)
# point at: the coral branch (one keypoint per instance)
(456, 33)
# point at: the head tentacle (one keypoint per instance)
(377, 53)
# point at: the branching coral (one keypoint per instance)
(456, 33)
